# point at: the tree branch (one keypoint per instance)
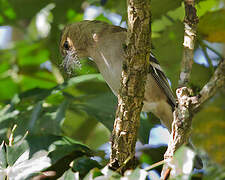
(188, 105)
(216, 82)
(130, 98)
(190, 27)
(181, 126)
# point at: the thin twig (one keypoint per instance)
(154, 165)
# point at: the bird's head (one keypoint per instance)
(84, 39)
(73, 46)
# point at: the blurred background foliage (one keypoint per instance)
(63, 117)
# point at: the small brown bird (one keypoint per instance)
(103, 43)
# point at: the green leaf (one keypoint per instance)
(101, 133)
(36, 80)
(3, 157)
(70, 175)
(200, 75)
(206, 6)
(35, 114)
(84, 164)
(61, 150)
(80, 79)
(16, 151)
(10, 13)
(146, 159)
(55, 97)
(67, 146)
(138, 173)
(104, 111)
(72, 16)
(1, 20)
(5, 91)
(25, 167)
(116, 6)
(93, 174)
(158, 9)
(31, 53)
(101, 17)
(210, 26)
(60, 113)
(35, 94)
(49, 121)
(5, 113)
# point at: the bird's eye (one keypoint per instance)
(66, 45)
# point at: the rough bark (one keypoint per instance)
(182, 116)
(187, 104)
(190, 28)
(181, 127)
(131, 94)
(187, 107)
(217, 81)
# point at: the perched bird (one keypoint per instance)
(103, 43)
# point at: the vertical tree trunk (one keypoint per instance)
(130, 98)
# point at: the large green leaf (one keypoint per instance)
(210, 26)
(200, 75)
(84, 164)
(7, 93)
(16, 151)
(20, 164)
(66, 146)
(205, 6)
(26, 158)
